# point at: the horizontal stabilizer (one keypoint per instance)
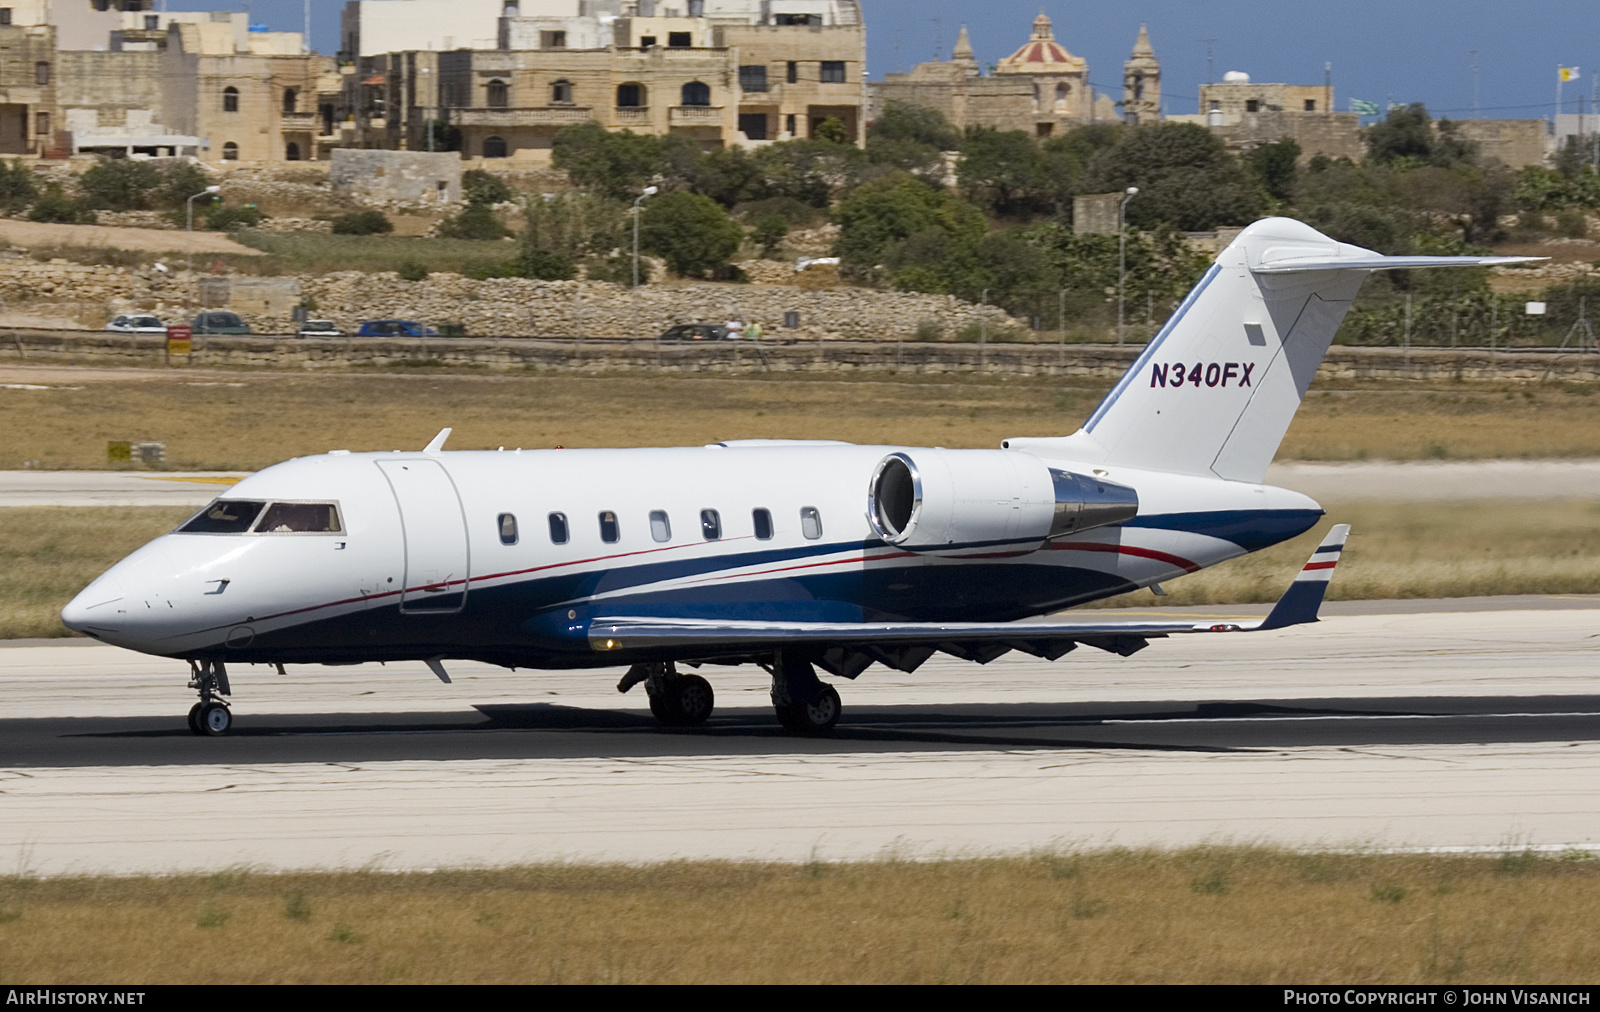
(1301, 602)
(1375, 262)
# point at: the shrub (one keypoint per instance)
(692, 233)
(410, 270)
(17, 185)
(232, 219)
(362, 223)
(929, 330)
(770, 231)
(546, 265)
(179, 182)
(119, 184)
(480, 187)
(55, 206)
(476, 221)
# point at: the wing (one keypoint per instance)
(848, 648)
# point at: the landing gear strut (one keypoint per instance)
(210, 716)
(676, 700)
(805, 705)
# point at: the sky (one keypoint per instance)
(1381, 50)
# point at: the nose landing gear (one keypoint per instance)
(676, 700)
(210, 716)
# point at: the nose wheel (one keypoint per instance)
(676, 700)
(211, 715)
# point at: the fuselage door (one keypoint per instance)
(435, 536)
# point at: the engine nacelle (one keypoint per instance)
(952, 501)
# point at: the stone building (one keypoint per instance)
(719, 71)
(1517, 143)
(1041, 88)
(1247, 114)
(247, 106)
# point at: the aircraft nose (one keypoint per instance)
(99, 607)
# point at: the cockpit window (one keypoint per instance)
(224, 516)
(300, 518)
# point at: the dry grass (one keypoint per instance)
(248, 420)
(1219, 915)
(1397, 550)
(48, 555)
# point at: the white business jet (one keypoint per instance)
(792, 555)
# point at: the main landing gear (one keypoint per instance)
(804, 703)
(210, 716)
(676, 700)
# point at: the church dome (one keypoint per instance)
(1041, 54)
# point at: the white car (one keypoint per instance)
(320, 328)
(137, 324)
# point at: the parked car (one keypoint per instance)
(137, 324)
(395, 328)
(320, 328)
(695, 332)
(214, 322)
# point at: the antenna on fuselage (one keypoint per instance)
(437, 443)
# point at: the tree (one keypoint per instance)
(562, 230)
(896, 223)
(1187, 180)
(771, 229)
(618, 165)
(690, 231)
(1410, 133)
(1003, 172)
(832, 130)
(809, 171)
(179, 182)
(902, 121)
(1276, 166)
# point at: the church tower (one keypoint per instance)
(963, 55)
(1141, 83)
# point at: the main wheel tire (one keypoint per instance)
(815, 717)
(215, 719)
(693, 700)
(194, 719)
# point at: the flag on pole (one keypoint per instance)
(1568, 74)
(1363, 108)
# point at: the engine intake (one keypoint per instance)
(951, 501)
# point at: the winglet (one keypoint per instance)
(438, 441)
(1301, 602)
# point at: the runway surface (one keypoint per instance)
(1478, 727)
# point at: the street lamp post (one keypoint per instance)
(1122, 254)
(649, 191)
(209, 191)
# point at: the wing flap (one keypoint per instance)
(847, 648)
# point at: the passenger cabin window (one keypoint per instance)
(711, 524)
(558, 529)
(300, 518)
(508, 529)
(224, 516)
(810, 523)
(763, 522)
(609, 532)
(660, 526)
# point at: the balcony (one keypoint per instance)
(300, 121)
(634, 114)
(549, 115)
(696, 115)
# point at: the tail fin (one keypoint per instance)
(1215, 391)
